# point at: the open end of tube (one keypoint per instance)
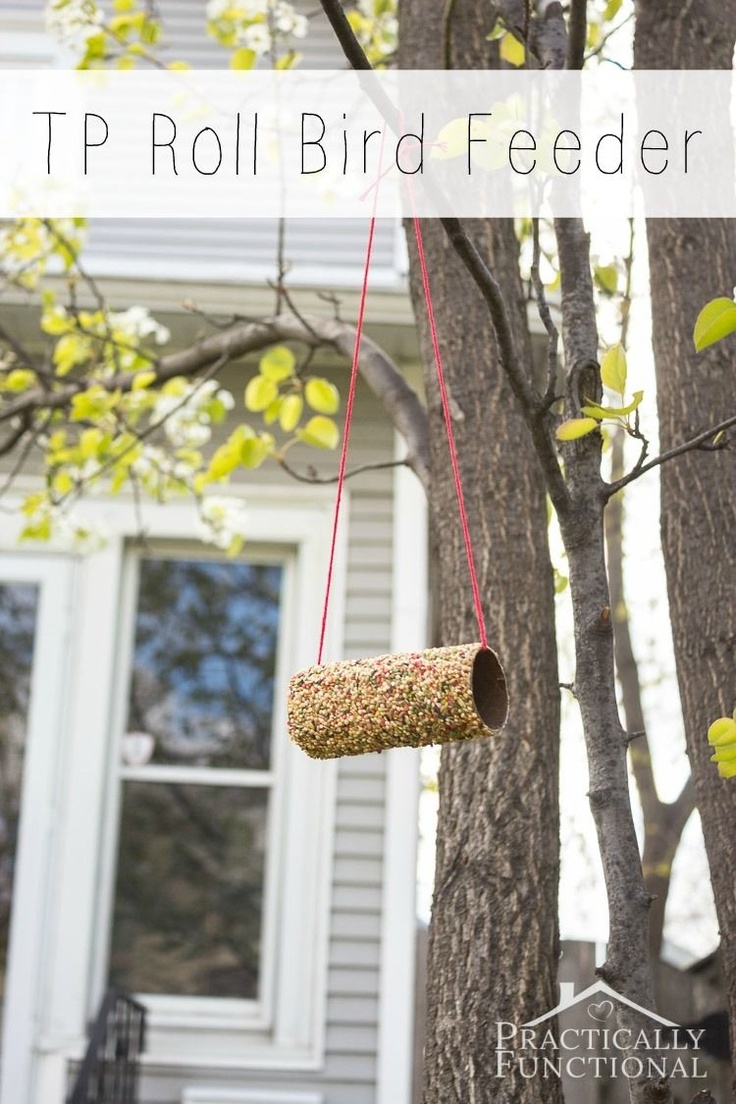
(489, 689)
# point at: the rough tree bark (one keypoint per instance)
(664, 821)
(694, 261)
(493, 938)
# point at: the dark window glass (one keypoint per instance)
(189, 897)
(204, 662)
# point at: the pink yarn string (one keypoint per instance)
(346, 429)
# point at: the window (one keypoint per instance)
(197, 770)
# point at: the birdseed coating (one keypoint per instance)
(408, 699)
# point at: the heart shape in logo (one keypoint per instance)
(601, 1011)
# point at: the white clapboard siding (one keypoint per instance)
(320, 252)
(323, 252)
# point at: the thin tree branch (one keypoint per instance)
(15, 436)
(21, 353)
(607, 37)
(25, 452)
(553, 337)
(577, 33)
(700, 442)
(351, 48)
(377, 369)
(311, 476)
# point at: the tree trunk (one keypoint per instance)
(693, 261)
(493, 944)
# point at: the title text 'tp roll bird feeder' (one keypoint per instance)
(408, 699)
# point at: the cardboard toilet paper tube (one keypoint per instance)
(407, 699)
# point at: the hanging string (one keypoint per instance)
(450, 435)
(346, 428)
(350, 403)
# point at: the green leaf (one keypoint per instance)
(69, 351)
(290, 413)
(499, 30)
(511, 50)
(716, 320)
(561, 582)
(20, 379)
(143, 379)
(607, 278)
(611, 9)
(260, 393)
(322, 396)
(39, 530)
(243, 58)
(574, 428)
(224, 460)
(722, 731)
(727, 770)
(613, 369)
(593, 410)
(724, 754)
(451, 141)
(272, 411)
(277, 364)
(254, 450)
(320, 432)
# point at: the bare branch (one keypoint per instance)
(702, 442)
(15, 435)
(553, 337)
(577, 32)
(21, 353)
(351, 48)
(311, 475)
(376, 367)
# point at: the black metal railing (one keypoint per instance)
(109, 1072)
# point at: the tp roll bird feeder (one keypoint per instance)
(406, 699)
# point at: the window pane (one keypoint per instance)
(203, 670)
(18, 604)
(188, 905)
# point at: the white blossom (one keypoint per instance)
(222, 521)
(137, 324)
(288, 22)
(186, 422)
(72, 21)
(256, 37)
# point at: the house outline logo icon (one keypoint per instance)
(569, 1000)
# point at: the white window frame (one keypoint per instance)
(193, 1038)
(28, 944)
(177, 1011)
